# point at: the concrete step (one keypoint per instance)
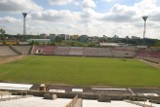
(78, 103)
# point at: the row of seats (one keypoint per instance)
(82, 51)
(149, 53)
(123, 53)
(47, 50)
(79, 51)
(14, 50)
(24, 50)
(152, 55)
(7, 51)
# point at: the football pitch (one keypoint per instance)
(82, 71)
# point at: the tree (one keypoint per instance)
(58, 39)
(157, 44)
(92, 45)
(2, 33)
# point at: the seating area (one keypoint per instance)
(64, 51)
(119, 52)
(142, 53)
(76, 51)
(90, 51)
(129, 48)
(104, 52)
(123, 53)
(155, 54)
(43, 50)
(149, 53)
(6, 51)
(22, 49)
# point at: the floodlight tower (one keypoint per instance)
(24, 22)
(144, 32)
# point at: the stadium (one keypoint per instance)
(127, 76)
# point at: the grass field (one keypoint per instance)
(81, 71)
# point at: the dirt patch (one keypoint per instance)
(7, 59)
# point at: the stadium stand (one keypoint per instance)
(129, 48)
(123, 53)
(99, 52)
(64, 51)
(24, 50)
(142, 53)
(155, 54)
(76, 51)
(7, 51)
(104, 52)
(43, 50)
(151, 55)
(90, 51)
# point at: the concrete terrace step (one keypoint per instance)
(78, 103)
(139, 104)
(13, 98)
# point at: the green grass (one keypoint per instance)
(81, 71)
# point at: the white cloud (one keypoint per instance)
(55, 16)
(146, 7)
(127, 20)
(88, 4)
(108, 0)
(59, 2)
(124, 13)
(12, 25)
(121, 20)
(8, 19)
(121, 13)
(18, 5)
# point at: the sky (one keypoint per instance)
(90, 17)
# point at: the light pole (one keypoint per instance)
(24, 22)
(144, 32)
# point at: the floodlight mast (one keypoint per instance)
(144, 32)
(24, 22)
